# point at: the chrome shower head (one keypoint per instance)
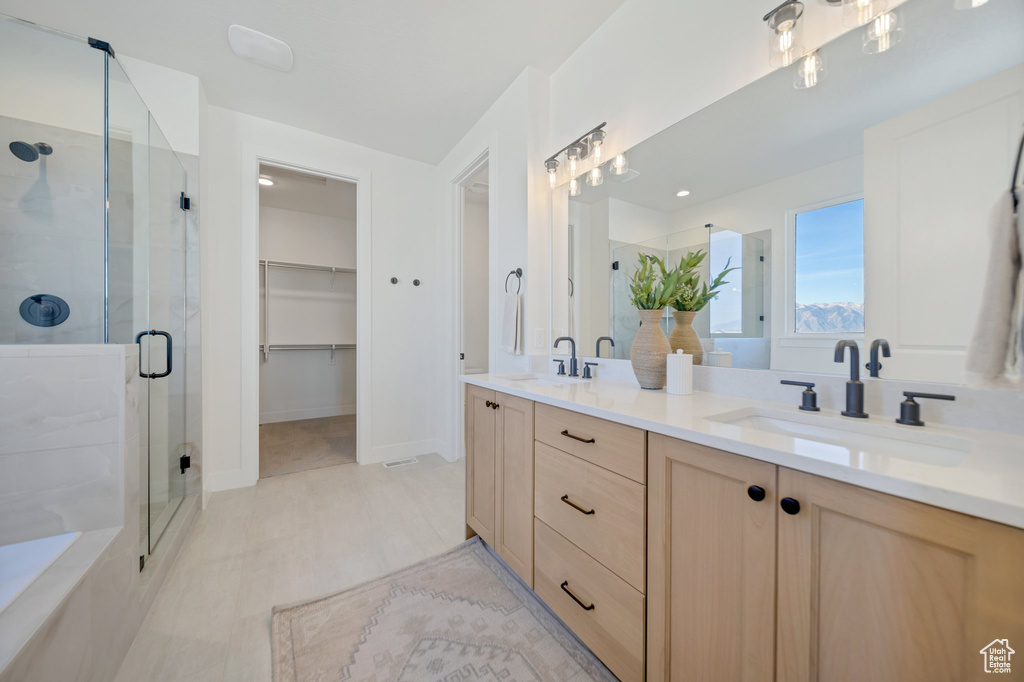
(29, 152)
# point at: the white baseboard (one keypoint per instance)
(226, 480)
(307, 413)
(387, 453)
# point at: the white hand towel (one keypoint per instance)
(995, 355)
(511, 338)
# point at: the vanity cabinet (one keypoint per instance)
(499, 475)
(758, 572)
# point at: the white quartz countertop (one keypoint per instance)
(984, 478)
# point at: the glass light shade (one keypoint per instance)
(573, 155)
(618, 165)
(810, 70)
(860, 12)
(595, 177)
(785, 44)
(574, 187)
(596, 147)
(552, 166)
(882, 33)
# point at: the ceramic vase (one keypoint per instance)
(684, 336)
(650, 346)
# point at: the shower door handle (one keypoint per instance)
(170, 353)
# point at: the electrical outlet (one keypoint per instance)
(538, 338)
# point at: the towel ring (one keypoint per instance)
(518, 272)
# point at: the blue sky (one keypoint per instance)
(830, 254)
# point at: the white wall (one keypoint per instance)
(475, 289)
(513, 133)
(403, 217)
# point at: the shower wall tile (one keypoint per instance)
(64, 420)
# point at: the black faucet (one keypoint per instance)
(597, 346)
(574, 370)
(854, 387)
(874, 366)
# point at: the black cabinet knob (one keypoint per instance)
(488, 403)
(756, 493)
(789, 505)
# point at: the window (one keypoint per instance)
(829, 270)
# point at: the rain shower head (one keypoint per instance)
(30, 152)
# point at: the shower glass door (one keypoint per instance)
(163, 356)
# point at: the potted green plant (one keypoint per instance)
(693, 297)
(652, 289)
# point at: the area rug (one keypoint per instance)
(457, 616)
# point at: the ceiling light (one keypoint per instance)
(260, 48)
(809, 71)
(882, 33)
(784, 44)
(266, 182)
(683, 193)
(618, 165)
(552, 167)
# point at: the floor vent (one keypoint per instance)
(400, 462)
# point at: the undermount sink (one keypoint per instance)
(543, 379)
(844, 438)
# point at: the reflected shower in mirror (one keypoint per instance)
(854, 209)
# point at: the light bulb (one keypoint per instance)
(552, 167)
(596, 145)
(573, 154)
(809, 71)
(574, 187)
(784, 44)
(860, 12)
(618, 165)
(882, 33)
(595, 177)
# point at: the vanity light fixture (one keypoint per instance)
(596, 144)
(589, 145)
(265, 181)
(618, 165)
(860, 12)
(784, 46)
(683, 193)
(809, 71)
(882, 33)
(552, 167)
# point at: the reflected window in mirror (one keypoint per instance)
(829, 269)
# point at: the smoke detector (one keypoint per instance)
(259, 48)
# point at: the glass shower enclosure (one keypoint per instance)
(93, 232)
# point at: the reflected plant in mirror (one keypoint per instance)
(693, 297)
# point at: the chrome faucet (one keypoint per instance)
(574, 370)
(874, 366)
(597, 346)
(854, 387)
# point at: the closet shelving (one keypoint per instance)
(265, 348)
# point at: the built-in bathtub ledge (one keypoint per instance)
(29, 612)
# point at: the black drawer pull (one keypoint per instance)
(565, 588)
(565, 498)
(582, 440)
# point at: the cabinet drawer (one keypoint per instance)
(610, 617)
(618, 448)
(600, 512)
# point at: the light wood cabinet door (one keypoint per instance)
(711, 565)
(875, 587)
(481, 442)
(513, 496)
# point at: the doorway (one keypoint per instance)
(308, 327)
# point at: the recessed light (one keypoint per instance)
(683, 193)
(266, 182)
(260, 48)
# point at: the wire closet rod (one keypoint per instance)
(313, 346)
(303, 266)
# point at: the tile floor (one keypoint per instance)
(289, 447)
(286, 539)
